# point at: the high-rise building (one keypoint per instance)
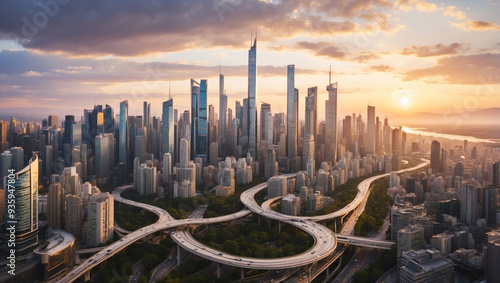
(123, 134)
(331, 123)
(435, 157)
(290, 205)
(271, 166)
(252, 100)
(468, 204)
(496, 174)
(370, 131)
(489, 205)
(167, 128)
(410, 238)
(276, 186)
(100, 223)
(266, 126)
(491, 262)
(167, 167)
(145, 178)
(223, 121)
(53, 121)
(310, 127)
(104, 152)
(186, 171)
(426, 265)
(73, 218)
(54, 203)
(292, 125)
(26, 209)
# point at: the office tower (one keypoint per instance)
(401, 218)
(331, 123)
(370, 131)
(347, 132)
(73, 215)
(386, 137)
(186, 171)
(17, 158)
(223, 118)
(310, 125)
(104, 152)
(378, 136)
(244, 120)
(468, 204)
(145, 178)
(489, 205)
(213, 156)
(167, 167)
(435, 157)
(26, 208)
(314, 202)
(123, 134)
(252, 100)
(276, 186)
(140, 144)
(100, 222)
(3, 136)
(109, 119)
(54, 202)
(5, 165)
(290, 205)
(424, 266)
(211, 125)
(396, 141)
(146, 108)
(324, 182)
(70, 181)
(442, 242)
(167, 128)
(199, 134)
(53, 121)
(496, 174)
(410, 238)
(492, 271)
(266, 124)
(68, 128)
(271, 166)
(227, 183)
(292, 124)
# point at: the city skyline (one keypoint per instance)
(378, 52)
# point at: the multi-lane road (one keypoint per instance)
(325, 239)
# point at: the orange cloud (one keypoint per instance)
(426, 7)
(436, 50)
(477, 25)
(454, 12)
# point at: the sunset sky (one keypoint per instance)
(402, 56)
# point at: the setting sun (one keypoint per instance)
(404, 101)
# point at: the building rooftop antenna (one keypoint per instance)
(330, 78)
(169, 93)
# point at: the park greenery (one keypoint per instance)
(132, 218)
(119, 267)
(377, 268)
(375, 211)
(254, 240)
(181, 208)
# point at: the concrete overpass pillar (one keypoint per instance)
(335, 221)
(86, 275)
(218, 270)
(328, 272)
(279, 227)
(178, 255)
(242, 274)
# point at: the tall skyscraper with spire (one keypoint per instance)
(292, 114)
(252, 96)
(167, 128)
(331, 122)
(222, 117)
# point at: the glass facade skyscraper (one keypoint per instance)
(26, 208)
(167, 128)
(202, 141)
(195, 93)
(292, 113)
(252, 96)
(222, 117)
(123, 138)
(331, 124)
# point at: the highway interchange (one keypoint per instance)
(325, 240)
